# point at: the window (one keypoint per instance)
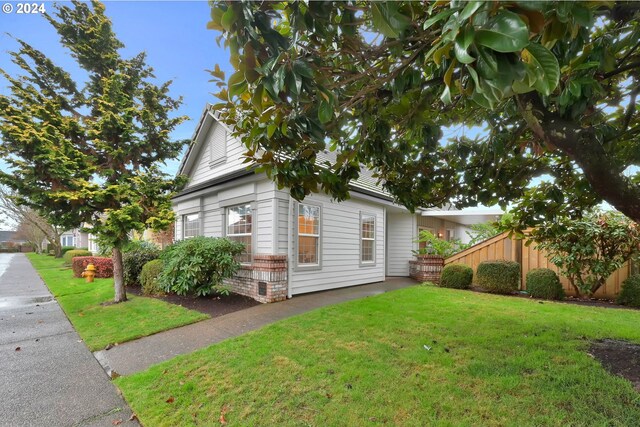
(367, 239)
(308, 234)
(190, 225)
(240, 228)
(67, 241)
(450, 234)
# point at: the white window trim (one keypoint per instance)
(362, 239)
(251, 234)
(184, 228)
(307, 267)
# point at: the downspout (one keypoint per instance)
(289, 246)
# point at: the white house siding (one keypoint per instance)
(441, 225)
(212, 203)
(340, 247)
(401, 234)
(216, 139)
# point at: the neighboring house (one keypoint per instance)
(8, 239)
(294, 247)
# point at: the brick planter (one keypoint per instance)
(265, 280)
(426, 268)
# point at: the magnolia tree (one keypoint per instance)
(554, 84)
(588, 250)
(87, 153)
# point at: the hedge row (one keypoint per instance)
(104, 266)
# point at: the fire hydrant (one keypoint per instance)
(89, 273)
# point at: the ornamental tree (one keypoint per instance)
(554, 84)
(588, 250)
(87, 153)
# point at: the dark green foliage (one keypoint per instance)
(307, 76)
(457, 276)
(69, 255)
(589, 249)
(136, 255)
(630, 293)
(500, 277)
(66, 249)
(91, 151)
(544, 283)
(150, 277)
(199, 265)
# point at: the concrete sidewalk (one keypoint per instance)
(135, 356)
(48, 377)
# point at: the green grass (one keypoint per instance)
(493, 361)
(99, 325)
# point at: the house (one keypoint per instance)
(294, 247)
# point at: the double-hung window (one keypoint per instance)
(308, 234)
(240, 228)
(367, 239)
(190, 225)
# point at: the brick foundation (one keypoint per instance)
(266, 275)
(426, 268)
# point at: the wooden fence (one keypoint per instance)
(501, 247)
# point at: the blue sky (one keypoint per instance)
(172, 33)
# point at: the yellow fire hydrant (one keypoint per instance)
(89, 273)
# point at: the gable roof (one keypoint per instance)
(365, 183)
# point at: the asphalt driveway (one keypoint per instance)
(48, 377)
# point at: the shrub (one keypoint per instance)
(66, 249)
(457, 276)
(135, 258)
(104, 266)
(150, 277)
(69, 255)
(630, 293)
(544, 283)
(500, 277)
(199, 265)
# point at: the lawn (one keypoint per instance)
(488, 360)
(100, 325)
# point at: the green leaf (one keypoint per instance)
(462, 43)
(469, 10)
(325, 112)
(507, 33)
(439, 17)
(546, 66)
(388, 20)
(303, 69)
(271, 128)
(228, 19)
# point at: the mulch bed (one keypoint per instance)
(619, 358)
(214, 306)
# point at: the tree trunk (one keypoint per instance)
(57, 248)
(118, 279)
(601, 169)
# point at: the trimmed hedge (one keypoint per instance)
(456, 276)
(150, 277)
(66, 249)
(133, 261)
(104, 266)
(199, 265)
(544, 283)
(630, 293)
(499, 277)
(69, 255)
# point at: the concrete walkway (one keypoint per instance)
(135, 356)
(48, 377)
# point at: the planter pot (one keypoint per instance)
(426, 268)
